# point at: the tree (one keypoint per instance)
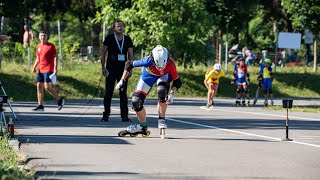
(305, 15)
(181, 26)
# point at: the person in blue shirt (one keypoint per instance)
(157, 69)
(266, 76)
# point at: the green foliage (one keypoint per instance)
(9, 161)
(261, 32)
(181, 26)
(304, 14)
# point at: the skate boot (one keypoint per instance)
(265, 102)
(248, 102)
(272, 102)
(212, 102)
(162, 124)
(209, 107)
(134, 130)
(255, 101)
(243, 102)
(238, 102)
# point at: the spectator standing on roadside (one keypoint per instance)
(27, 36)
(48, 61)
(119, 49)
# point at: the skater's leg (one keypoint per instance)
(162, 92)
(246, 90)
(142, 116)
(137, 105)
(238, 95)
(215, 90)
(162, 108)
(210, 94)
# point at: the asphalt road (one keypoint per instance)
(226, 143)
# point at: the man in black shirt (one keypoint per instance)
(120, 49)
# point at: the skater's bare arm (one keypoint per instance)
(125, 75)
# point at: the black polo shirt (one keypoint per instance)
(114, 50)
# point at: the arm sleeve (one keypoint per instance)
(145, 62)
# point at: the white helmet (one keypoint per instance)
(160, 56)
(217, 67)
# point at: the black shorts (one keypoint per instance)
(44, 77)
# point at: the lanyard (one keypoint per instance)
(120, 48)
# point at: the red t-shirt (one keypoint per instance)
(46, 53)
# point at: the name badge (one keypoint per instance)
(121, 57)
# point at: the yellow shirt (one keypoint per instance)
(212, 77)
(266, 72)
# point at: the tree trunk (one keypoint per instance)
(220, 49)
(217, 42)
(83, 33)
(96, 28)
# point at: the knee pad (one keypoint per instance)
(137, 101)
(162, 93)
(238, 91)
(270, 91)
(246, 90)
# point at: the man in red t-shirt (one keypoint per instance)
(48, 61)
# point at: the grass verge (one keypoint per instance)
(9, 161)
(307, 108)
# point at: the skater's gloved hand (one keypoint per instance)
(120, 85)
(170, 99)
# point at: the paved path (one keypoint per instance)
(226, 143)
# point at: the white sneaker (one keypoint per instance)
(134, 128)
(162, 124)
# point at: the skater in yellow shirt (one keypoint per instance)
(211, 81)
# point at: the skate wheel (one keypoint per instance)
(133, 135)
(146, 134)
(162, 133)
(122, 133)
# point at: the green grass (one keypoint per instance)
(307, 108)
(84, 80)
(9, 161)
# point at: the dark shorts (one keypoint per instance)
(44, 77)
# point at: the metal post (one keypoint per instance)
(276, 39)
(286, 104)
(60, 49)
(104, 31)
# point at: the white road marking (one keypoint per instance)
(266, 114)
(239, 132)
